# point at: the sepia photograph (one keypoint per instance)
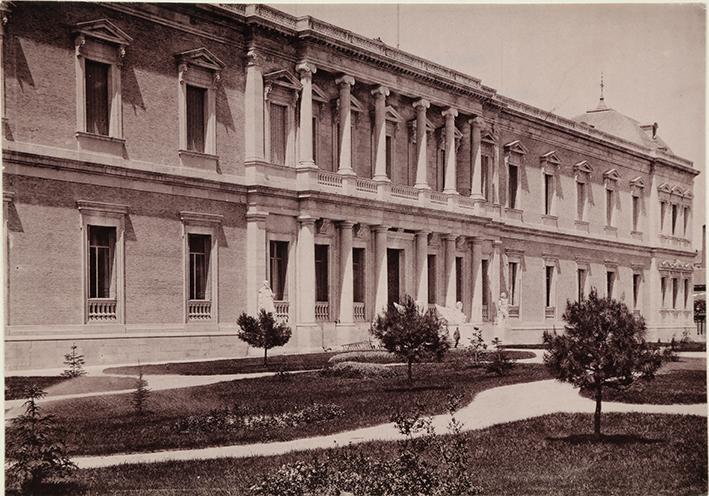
(353, 249)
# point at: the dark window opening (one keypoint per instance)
(322, 286)
(102, 241)
(199, 251)
(97, 98)
(279, 269)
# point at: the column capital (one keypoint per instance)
(450, 112)
(476, 121)
(450, 237)
(380, 92)
(305, 68)
(344, 81)
(380, 229)
(307, 219)
(422, 232)
(346, 224)
(255, 215)
(422, 103)
(254, 57)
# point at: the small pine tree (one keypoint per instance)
(264, 332)
(141, 395)
(33, 451)
(74, 362)
(499, 363)
(476, 348)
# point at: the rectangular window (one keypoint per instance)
(279, 269)
(685, 219)
(636, 289)
(512, 180)
(97, 100)
(663, 291)
(278, 133)
(581, 283)
(512, 274)
(358, 275)
(102, 242)
(609, 207)
(485, 283)
(548, 193)
(431, 279)
(196, 99)
(315, 140)
(549, 273)
(322, 289)
(440, 171)
(485, 177)
(675, 291)
(610, 282)
(686, 292)
(663, 209)
(636, 212)
(458, 279)
(580, 200)
(199, 249)
(675, 211)
(389, 154)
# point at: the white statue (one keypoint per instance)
(265, 298)
(503, 308)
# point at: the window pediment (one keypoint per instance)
(103, 30)
(319, 95)
(486, 136)
(611, 175)
(517, 147)
(637, 183)
(583, 167)
(676, 190)
(283, 78)
(392, 115)
(550, 162)
(200, 57)
(664, 188)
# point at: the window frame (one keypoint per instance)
(328, 272)
(611, 279)
(432, 276)
(549, 285)
(286, 280)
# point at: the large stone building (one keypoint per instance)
(162, 161)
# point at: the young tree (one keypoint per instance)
(74, 362)
(411, 334)
(603, 346)
(141, 395)
(33, 451)
(264, 332)
(476, 348)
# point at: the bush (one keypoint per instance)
(35, 455)
(477, 347)
(365, 356)
(140, 396)
(358, 370)
(74, 362)
(499, 363)
(263, 332)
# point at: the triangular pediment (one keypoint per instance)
(104, 30)
(583, 166)
(516, 146)
(319, 95)
(486, 136)
(356, 105)
(550, 158)
(284, 78)
(200, 57)
(637, 182)
(688, 194)
(611, 174)
(676, 190)
(393, 115)
(664, 188)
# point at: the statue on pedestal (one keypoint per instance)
(265, 298)
(503, 309)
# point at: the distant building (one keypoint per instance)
(700, 288)
(163, 160)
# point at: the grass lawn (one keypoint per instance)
(546, 456)
(309, 361)
(677, 386)
(106, 424)
(57, 385)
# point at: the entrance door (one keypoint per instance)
(393, 275)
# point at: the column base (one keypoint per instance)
(347, 172)
(309, 166)
(381, 179)
(422, 186)
(450, 192)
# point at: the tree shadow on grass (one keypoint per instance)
(416, 388)
(615, 439)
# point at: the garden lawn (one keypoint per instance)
(107, 424)
(677, 386)
(553, 455)
(57, 385)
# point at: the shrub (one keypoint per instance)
(140, 395)
(264, 332)
(408, 333)
(499, 363)
(34, 453)
(74, 363)
(365, 356)
(476, 348)
(358, 370)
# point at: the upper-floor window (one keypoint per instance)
(685, 219)
(513, 274)
(512, 185)
(485, 177)
(610, 180)
(637, 278)
(663, 210)
(100, 46)
(514, 155)
(675, 212)
(675, 291)
(580, 200)
(281, 91)
(548, 193)
(582, 174)
(279, 132)
(636, 212)
(663, 291)
(322, 285)
(610, 283)
(199, 72)
(637, 187)
(609, 206)
(278, 254)
(431, 279)
(389, 153)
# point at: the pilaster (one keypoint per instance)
(345, 84)
(421, 144)
(380, 94)
(451, 159)
(346, 273)
(256, 252)
(306, 270)
(381, 269)
(253, 107)
(305, 135)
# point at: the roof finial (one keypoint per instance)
(602, 86)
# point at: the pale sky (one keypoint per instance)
(552, 56)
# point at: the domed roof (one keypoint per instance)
(613, 122)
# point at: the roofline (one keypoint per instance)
(310, 27)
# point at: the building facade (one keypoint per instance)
(162, 161)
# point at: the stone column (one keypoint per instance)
(253, 107)
(306, 270)
(421, 144)
(422, 268)
(450, 172)
(380, 165)
(305, 142)
(256, 251)
(475, 158)
(346, 274)
(495, 186)
(495, 268)
(345, 165)
(381, 294)
(476, 309)
(450, 269)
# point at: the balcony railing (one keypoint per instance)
(466, 202)
(282, 308)
(485, 313)
(403, 191)
(366, 185)
(358, 311)
(437, 197)
(199, 310)
(102, 309)
(322, 310)
(332, 179)
(514, 312)
(549, 312)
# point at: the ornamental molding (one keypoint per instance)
(102, 30)
(442, 137)
(487, 136)
(460, 243)
(434, 240)
(323, 226)
(550, 158)
(676, 265)
(99, 208)
(361, 231)
(664, 188)
(199, 218)
(413, 125)
(319, 95)
(583, 167)
(282, 78)
(516, 147)
(611, 175)
(199, 57)
(637, 183)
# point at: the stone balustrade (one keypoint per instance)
(282, 311)
(403, 191)
(199, 310)
(358, 311)
(549, 312)
(330, 179)
(322, 310)
(102, 309)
